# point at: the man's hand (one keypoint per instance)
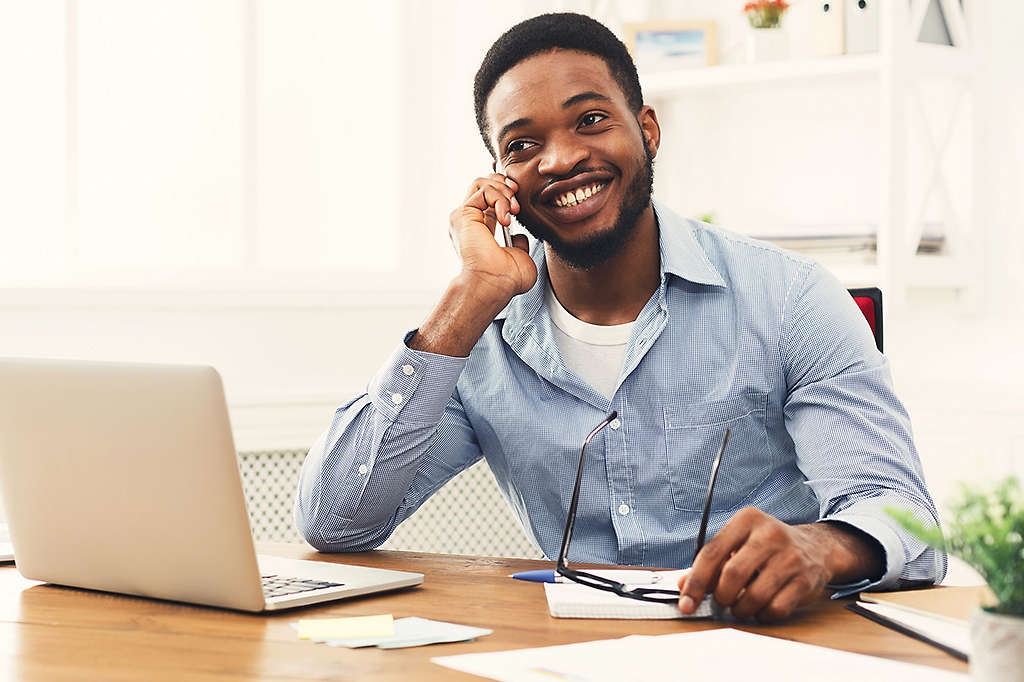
(489, 268)
(765, 569)
(491, 274)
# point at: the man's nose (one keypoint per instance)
(561, 154)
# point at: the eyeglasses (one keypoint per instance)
(600, 583)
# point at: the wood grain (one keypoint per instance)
(55, 633)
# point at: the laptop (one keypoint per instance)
(124, 478)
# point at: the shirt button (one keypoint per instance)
(623, 508)
(397, 398)
(615, 423)
(408, 370)
(363, 469)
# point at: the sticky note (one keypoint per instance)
(335, 628)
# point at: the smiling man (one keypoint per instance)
(682, 328)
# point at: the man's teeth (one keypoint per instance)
(578, 196)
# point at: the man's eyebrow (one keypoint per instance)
(518, 123)
(585, 97)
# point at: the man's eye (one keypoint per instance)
(518, 146)
(593, 118)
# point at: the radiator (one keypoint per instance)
(467, 516)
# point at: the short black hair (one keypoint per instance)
(566, 31)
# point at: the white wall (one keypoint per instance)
(289, 354)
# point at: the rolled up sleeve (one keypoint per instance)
(852, 434)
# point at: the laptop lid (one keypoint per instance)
(123, 477)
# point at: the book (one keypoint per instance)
(956, 603)
(936, 616)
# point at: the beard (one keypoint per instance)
(598, 248)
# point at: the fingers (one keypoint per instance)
(707, 567)
(785, 601)
(494, 192)
(739, 570)
(758, 566)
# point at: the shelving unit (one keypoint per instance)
(898, 71)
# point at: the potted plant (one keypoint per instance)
(987, 531)
(766, 41)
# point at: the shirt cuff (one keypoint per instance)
(892, 548)
(414, 386)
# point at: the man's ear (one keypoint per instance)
(649, 127)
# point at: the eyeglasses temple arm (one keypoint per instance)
(707, 502)
(576, 491)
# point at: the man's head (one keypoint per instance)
(559, 106)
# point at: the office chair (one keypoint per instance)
(869, 300)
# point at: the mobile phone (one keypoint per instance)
(507, 233)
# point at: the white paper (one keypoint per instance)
(723, 655)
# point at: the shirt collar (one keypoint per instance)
(681, 255)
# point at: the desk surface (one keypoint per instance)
(55, 633)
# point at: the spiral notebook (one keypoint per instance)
(572, 600)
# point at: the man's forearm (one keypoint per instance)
(852, 554)
(459, 320)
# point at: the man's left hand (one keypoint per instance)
(765, 569)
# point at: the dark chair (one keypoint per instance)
(869, 300)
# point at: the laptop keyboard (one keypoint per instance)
(278, 586)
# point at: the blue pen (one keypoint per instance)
(541, 576)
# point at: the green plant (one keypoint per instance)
(765, 13)
(986, 531)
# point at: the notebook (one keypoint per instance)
(572, 600)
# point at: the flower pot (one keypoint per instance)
(997, 647)
(767, 44)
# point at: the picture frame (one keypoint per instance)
(667, 45)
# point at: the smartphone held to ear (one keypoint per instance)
(507, 233)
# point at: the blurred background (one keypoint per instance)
(264, 185)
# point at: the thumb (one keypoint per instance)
(521, 242)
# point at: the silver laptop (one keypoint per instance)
(124, 478)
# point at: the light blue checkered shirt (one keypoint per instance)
(740, 334)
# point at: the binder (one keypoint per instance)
(862, 26)
(827, 23)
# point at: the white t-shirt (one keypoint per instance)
(594, 352)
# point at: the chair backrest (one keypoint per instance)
(869, 300)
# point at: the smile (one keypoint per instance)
(578, 196)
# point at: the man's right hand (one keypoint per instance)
(494, 272)
(491, 274)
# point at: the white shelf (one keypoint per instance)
(668, 83)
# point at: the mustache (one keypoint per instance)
(578, 170)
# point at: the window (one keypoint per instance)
(195, 145)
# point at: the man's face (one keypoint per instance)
(561, 128)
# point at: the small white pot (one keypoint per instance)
(767, 44)
(997, 647)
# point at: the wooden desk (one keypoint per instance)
(54, 633)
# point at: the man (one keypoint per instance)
(683, 329)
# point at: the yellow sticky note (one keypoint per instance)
(337, 628)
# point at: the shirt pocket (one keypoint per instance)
(693, 435)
